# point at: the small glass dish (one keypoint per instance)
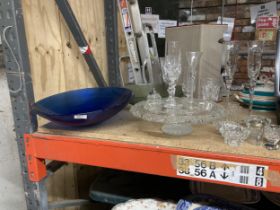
(256, 124)
(234, 134)
(271, 137)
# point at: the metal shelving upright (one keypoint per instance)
(116, 153)
(18, 72)
(21, 89)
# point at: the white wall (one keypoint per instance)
(11, 189)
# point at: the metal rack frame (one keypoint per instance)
(145, 158)
(18, 72)
(24, 123)
(128, 156)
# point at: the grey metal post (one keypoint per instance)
(277, 65)
(21, 90)
(111, 22)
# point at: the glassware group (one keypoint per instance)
(178, 113)
(172, 69)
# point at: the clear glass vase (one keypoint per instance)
(254, 62)
(230, 55)
(190, 76)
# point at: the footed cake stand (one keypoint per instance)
(178, 120)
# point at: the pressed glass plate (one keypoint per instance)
(199, 112)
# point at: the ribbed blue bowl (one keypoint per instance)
(83, 107)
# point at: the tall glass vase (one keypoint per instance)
(190, 76)
(230, 55)
(254, 62)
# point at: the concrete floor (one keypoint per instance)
(11, 189)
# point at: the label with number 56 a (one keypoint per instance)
(225, 171)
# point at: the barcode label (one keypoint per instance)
(244, 169)
(244, 180)
(80, 116)
(223, 171)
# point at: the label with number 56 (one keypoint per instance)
(225, 171)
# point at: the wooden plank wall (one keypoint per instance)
(57, 64)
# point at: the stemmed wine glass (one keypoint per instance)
(171, 68)
(254, 62)
(231, 49)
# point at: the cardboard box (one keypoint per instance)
(202, 38)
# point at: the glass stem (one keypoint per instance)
(251, 92)
(192, 93)
(228, 97)
(227, 103)
(171, 92)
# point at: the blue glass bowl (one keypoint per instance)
(83, 107)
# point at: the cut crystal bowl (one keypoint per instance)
(234, 134)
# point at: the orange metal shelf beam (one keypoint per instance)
(148, 159)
